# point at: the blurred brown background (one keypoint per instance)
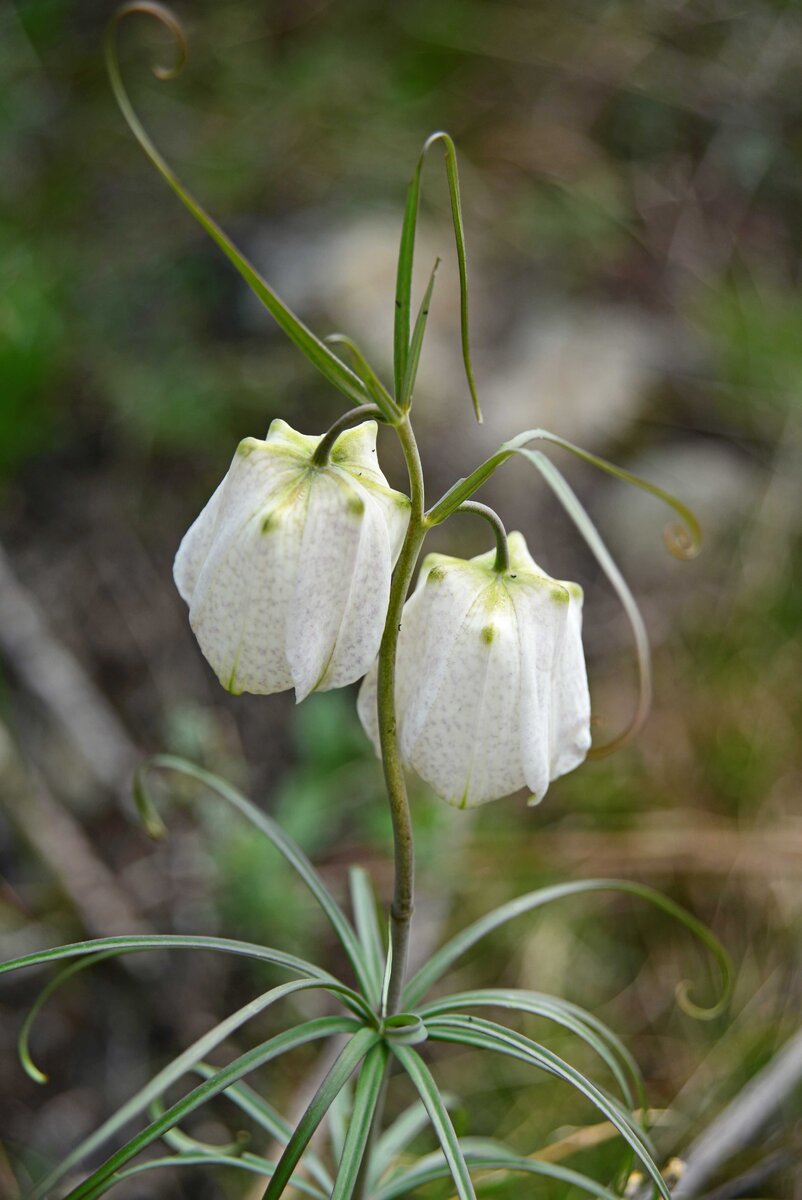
(632, 186)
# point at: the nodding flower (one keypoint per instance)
(287, 569)
(491, 686)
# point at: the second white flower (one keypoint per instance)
(491, 686)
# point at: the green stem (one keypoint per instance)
(403, 893)
(354, 416)
(502, 563)
(402, 904)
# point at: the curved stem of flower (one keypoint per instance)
(502, 563)
(354, 416)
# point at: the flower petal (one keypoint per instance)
(542, 611)
(195, 546)
(240, 604)
(331, 535)
(467, 749)
(360, 633)
(570, 710)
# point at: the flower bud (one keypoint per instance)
(491, 686)
(287, 569)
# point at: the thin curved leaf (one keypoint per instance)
(290, 850)
(184, 1143)
(344, 1066)
(24, 1038)
(265, 1052)
(590, 1029)
(399, 1134)
(251, 1163)
(331, 367)
(429, 1093)
(366, 1096)
(448, 954)
(339, 1115)
(374, 386)
(432, 1168)
(268, 1118)
(363, 904)
(416, 345)
(487, 1035)
(683, 541)
(137, 943)
(406, 255)
(155, 1088)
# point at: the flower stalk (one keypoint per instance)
(404, 850)
(502, 563)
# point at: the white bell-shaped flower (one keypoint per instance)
(287, 569)
(491, 686)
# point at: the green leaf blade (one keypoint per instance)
(442, 959)
(406, 255)
(331, 367)
(265, 1052)
(487, 1035)
(429, 1093)
(366, 1098)
(288, 848)
(346, 1063)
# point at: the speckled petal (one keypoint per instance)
(239, 608)
(413, 626)
(362, 625)
(570, 713)
(331, 537)
(446, 592)
(195, 546)
(541, 608)
(467, 750)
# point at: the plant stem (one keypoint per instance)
(494, 520)
(354, 416)
(403, 902)
(403, 893)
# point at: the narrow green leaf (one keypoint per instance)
(251, 1163)
(318, 354)
(266, 1117)
(406, 255)
(432, 1168)
(339, 1116)
(440, 962)
(363, 904)
(416, 345)
(374, 386)
(590, 1029)
(429, 1093)
(137, 943)
(183, 1143)
(148, 813)
(310, 1031)
(344, 1066)
(291, 851)
(23, 1041)
(487, 1035)
(366, 1096)
(400, 1133)
(683, 540)
(178, 1067)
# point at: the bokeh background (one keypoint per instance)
(632, 185)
